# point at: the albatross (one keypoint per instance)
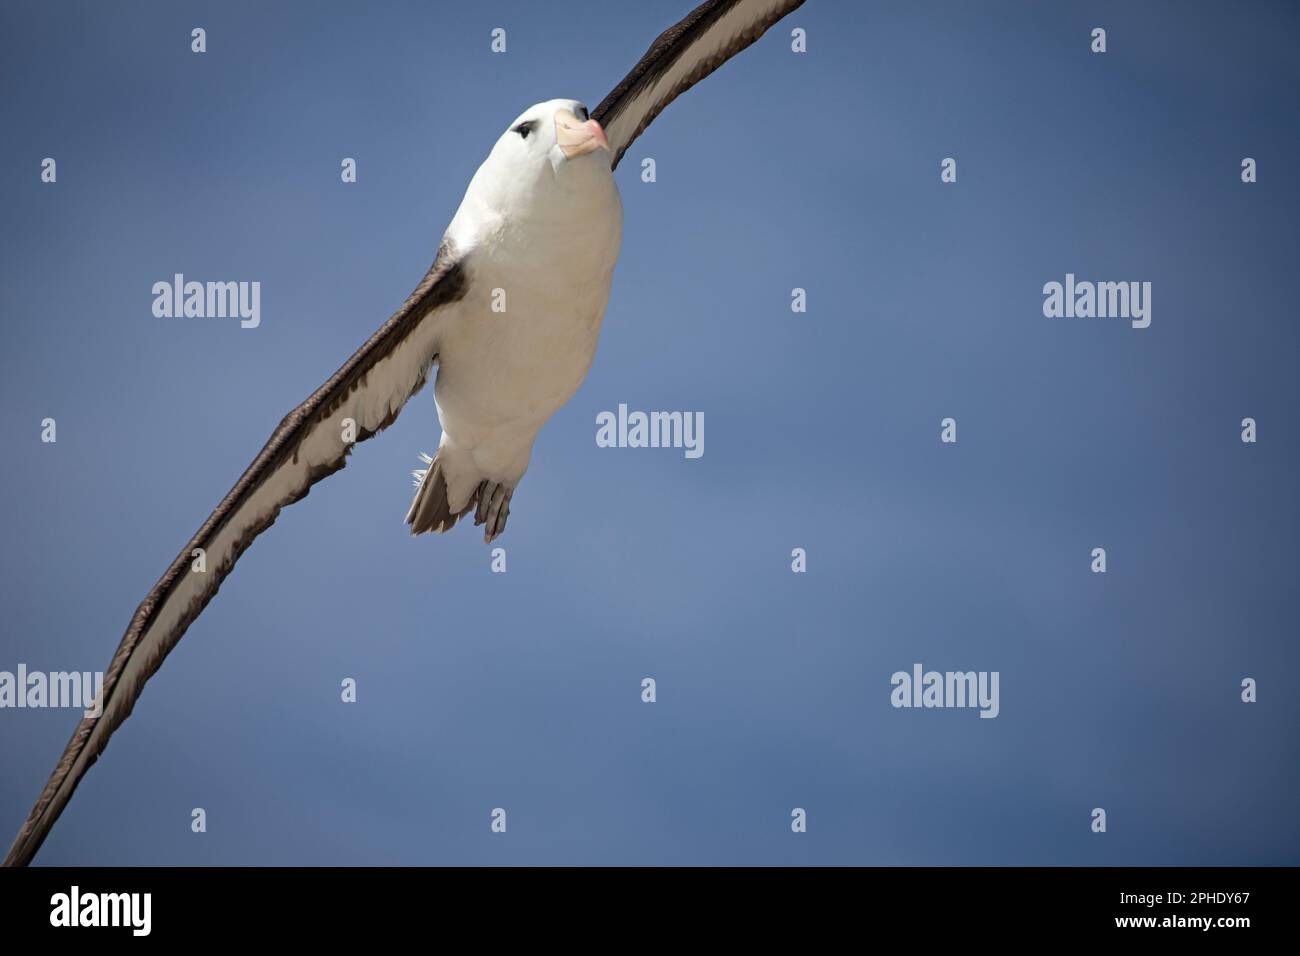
(540, 227)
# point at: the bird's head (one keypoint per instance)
(556, 132)
(552, 155)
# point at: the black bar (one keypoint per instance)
(336, 904)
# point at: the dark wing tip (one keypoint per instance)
(669, 47)
(445, 282)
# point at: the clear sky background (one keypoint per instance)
(522, 690)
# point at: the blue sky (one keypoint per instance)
(522, 690)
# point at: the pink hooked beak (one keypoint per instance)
(576, 137)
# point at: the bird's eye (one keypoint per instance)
(523, 129)
(582, 113)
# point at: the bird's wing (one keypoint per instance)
(309, 444)
(684, 54)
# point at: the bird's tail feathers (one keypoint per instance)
(431, 510)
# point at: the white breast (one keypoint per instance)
(521, 341)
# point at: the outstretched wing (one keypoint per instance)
(309, 444)
(684, 54)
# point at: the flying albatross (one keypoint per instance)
(541, 221)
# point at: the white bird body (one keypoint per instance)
(538, 242)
